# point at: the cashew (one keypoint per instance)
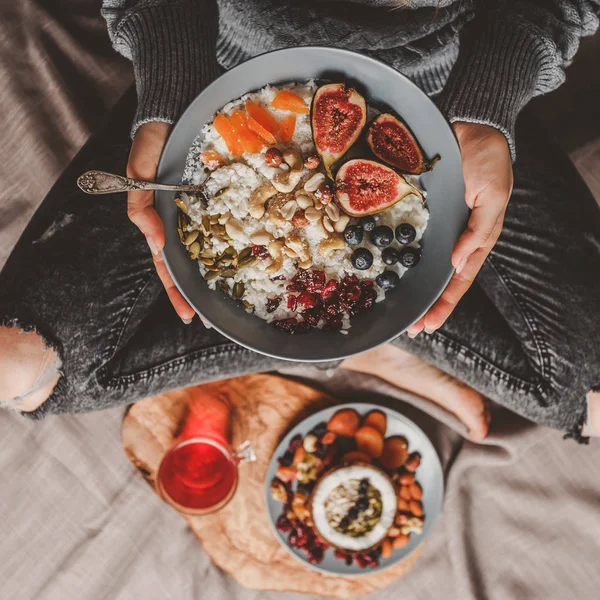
(328, 245)
(293, 158)
(286, 182)
(299, 246)
(275, 248)
(258, 199)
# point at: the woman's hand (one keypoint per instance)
(143, 161)
(487, 170)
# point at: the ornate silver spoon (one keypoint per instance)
(99, 182)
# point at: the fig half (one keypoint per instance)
(338, 116)
(393, 142)
(366, 187)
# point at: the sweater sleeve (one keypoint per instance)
(510, 53)
(172, 44)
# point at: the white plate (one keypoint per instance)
(429, 475)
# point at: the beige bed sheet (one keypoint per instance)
(521, 518)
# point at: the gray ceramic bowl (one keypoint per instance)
(429, 475)
(418, 289)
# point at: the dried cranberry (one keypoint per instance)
(362, 560)
(349, 279)
(368, 299)
(292, 302)
(331, 287)
(293, 540)
(354, 292)
(283, 524)
(349, 559)
(312, 316)
(308, 299)
(316, 556)
(333, 306)
(339, 554)
(333, 323)
(261, 252)
(316, 281)
(273, 303)
(365, 282)
(295, 443)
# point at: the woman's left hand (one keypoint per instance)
(487, 170)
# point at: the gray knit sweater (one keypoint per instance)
(482, 59)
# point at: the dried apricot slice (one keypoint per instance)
(286, 100)
(212, 159)
(287, 128)
(354, 457)
(377, 419)
(226, 130)
(262, 116)
(400, 541)
(250, 141)
(369, 440)
(386, 549)
(260, 131)
(344, 422)
(395, 452)
(286, 474)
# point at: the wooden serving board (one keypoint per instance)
(238, 538)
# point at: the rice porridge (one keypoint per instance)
(270, 229)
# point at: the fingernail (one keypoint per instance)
(206, 324)
(186, 321)
(462, 263)
(412, 336)
(428, 331)
(153, 247)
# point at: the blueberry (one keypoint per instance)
(362, 503)
(352, 513)
(353, 235)
(382, 236)
(410, 257)
(387, 280)
(406, 233)
(305, 488)
(364, 485)
(320, 429)
(390, 256)
(361, 259)
(367, 223)
(286, 459)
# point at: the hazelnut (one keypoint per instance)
(299, 220)
(273, 157)
(312, 162)
(323, 193)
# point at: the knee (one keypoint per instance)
(29, 369)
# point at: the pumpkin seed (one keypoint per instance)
(194, 250)
(226, 260)
(181, 205)
(209, 262)
(247, 304)
(248, 261)
(205, 226)
(238, 290)
(222, 192)
(211, 275)
(191, 237)
(230, 252)
(224, 286)
(245, 253)
(228, 273)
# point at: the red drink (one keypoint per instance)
(198, 475)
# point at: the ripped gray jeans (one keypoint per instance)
(526, 335)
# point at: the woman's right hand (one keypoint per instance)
(143, 161)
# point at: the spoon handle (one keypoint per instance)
(99, 182)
